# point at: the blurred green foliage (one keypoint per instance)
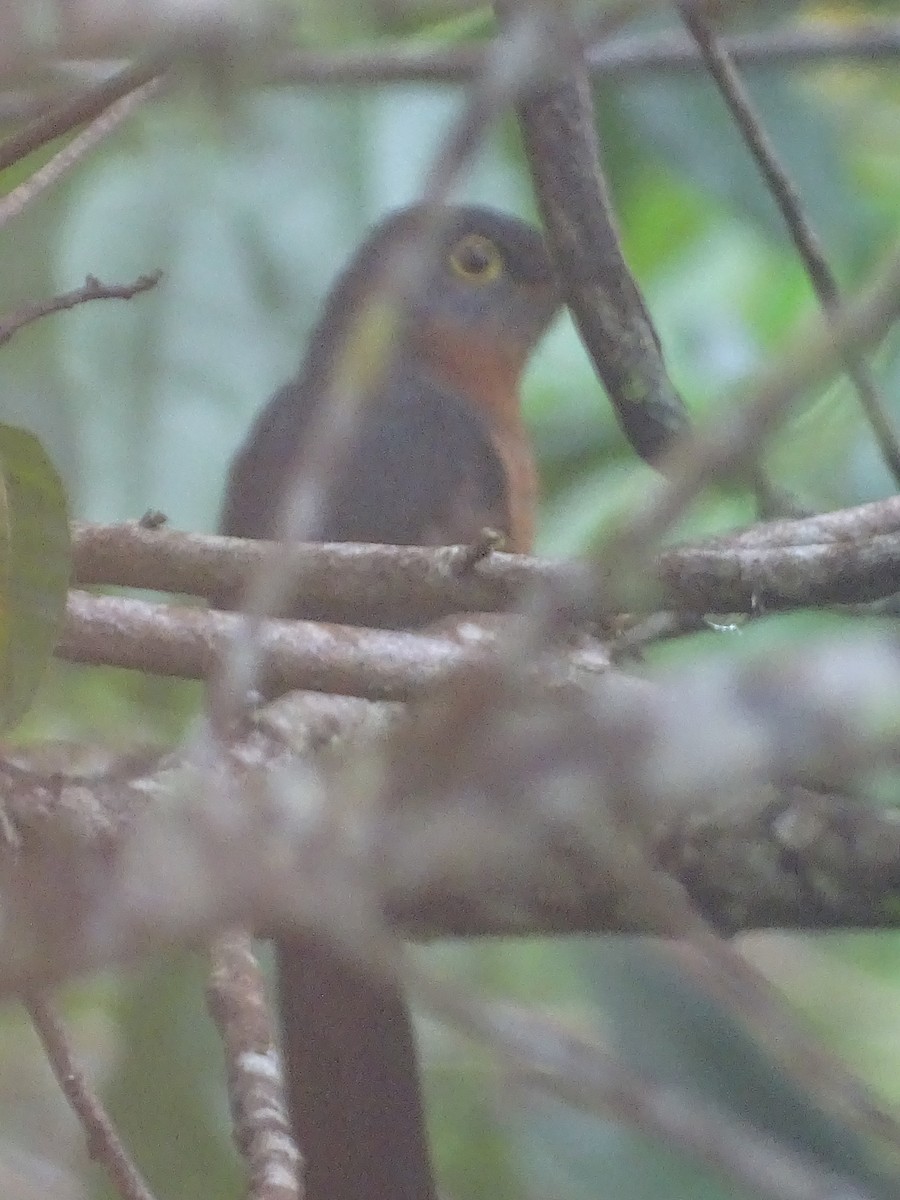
(249, 202)
(35, 558)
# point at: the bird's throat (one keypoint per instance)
(489, 372)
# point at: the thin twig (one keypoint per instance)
(68, 116)
(582, 1073)
(736, 438)
(787, 197)
(103, 1143)
(82, 144)
(92, 289)
(236, 998)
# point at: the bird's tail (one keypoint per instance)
(352, 1079)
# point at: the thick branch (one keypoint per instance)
(190, 642)
(557, 124)
(106, 867)
(848, 556)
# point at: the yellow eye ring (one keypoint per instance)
(476, 259)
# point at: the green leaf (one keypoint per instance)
(167, 1095)
(685, 122)
(35, 557)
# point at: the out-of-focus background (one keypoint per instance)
(250, 197)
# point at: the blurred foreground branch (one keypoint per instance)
(726, 447)
(622, 57)
(626, 56)
(97, 869)
(541, 1053)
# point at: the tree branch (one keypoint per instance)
(65, 159)
(851, 555)
(103, 1142)
(806, 241)
(103, 868)
(70, 114)
(735, 439)
(236, 998)
(557, 122)
(189, 643)
(92, 289)
(626, 56)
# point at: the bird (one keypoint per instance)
(439, 454)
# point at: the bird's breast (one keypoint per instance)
(485, 370)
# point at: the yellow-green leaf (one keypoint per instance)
(34, 567)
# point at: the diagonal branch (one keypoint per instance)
(736, 438)
(70, 114)
(784, 193)
(108, 120)
(578, 1071)
(103, 1142)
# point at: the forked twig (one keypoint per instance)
(103, 1142)
(92, 289)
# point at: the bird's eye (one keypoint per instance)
(476, 259)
